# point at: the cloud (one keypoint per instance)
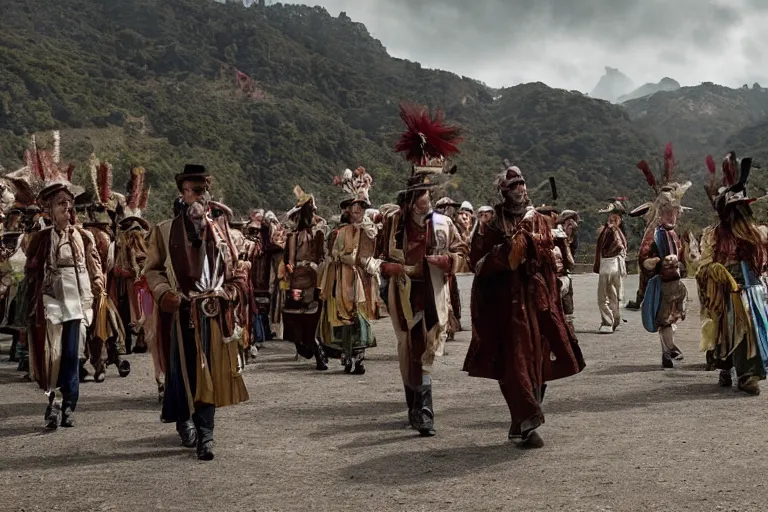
(567, 43)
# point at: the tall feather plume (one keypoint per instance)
(104, 180)
(712, 168)
(669, 163)
(136, 187)
(426, 138)
(144, 200)
(56, 146)
(746, 167)
(93, 164)
(729, 169)
(643, 166)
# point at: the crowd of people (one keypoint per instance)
(86, 279)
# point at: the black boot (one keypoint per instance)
(187, 433)
(320, 358)
(68, 415)
(204, 444)
(23, 365)
(710, 358)
(348, 364)
(204, 449)
(632, 305)
(423, 411)
(14, 348)
(359, 367)
(83, 371)
(123, 367)
(410, 399)
(52, 413)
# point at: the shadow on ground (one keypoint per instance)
(427, 466)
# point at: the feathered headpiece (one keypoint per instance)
(355, 185)
(669, 193)
(734, 186)
(302, 197)
(101, 178)
(42, 174)
(138, 193)
(668, 171)
(427, 141)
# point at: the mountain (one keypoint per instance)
(612, 85)
(699, 119)
(269, 97)
(666, 84)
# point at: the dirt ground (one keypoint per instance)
(623, 435)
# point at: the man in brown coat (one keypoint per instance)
(190, 268)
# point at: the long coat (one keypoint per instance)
(519, 332)
(43, 364)
(173, 264)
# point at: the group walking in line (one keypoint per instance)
(86, 279)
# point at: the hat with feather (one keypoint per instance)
(616, 206)
(43, 174)
(356, 186)
(136, 201)
(426, 143)
(733, 188)
(98, 209)
(669, 193)
(302, 198)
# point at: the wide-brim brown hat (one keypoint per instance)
(129, 223)
(192, 172)
(352, 199)
(55, 187)
(568, 214)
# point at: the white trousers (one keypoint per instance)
(610, 290)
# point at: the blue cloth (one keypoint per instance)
(652, 297)
(754, 294)
(69, 370)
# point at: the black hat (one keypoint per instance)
(192, 172)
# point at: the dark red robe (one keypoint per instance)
(519, 333)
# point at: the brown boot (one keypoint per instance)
(750, 385)
(532, 440)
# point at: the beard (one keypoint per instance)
(196, 213)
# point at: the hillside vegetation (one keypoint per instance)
(270, 97)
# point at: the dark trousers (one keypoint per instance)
(175, 401)
(124, 310)
(69, 371)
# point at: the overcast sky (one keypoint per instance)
(567, 43)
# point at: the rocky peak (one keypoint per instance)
(612, 84)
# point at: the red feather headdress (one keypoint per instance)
(427, 141)
(667, 175)
(138, 193)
